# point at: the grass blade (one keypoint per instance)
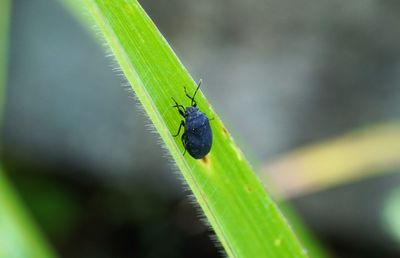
(358, 154)
(245, 219)
(19, 236)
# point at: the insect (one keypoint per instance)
(197, 137)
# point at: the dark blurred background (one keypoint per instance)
(281, 74)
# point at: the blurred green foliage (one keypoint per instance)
(391, 213)
(19, 235)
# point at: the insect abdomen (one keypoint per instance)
(198, 136)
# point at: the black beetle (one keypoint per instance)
(197, 138)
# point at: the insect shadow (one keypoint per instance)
(197, 135)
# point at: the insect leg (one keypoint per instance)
(180, 108)
(180, 126)
(183, 143)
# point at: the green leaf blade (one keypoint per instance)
(246, 221)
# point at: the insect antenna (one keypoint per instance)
(197, 89)
(194, 103)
